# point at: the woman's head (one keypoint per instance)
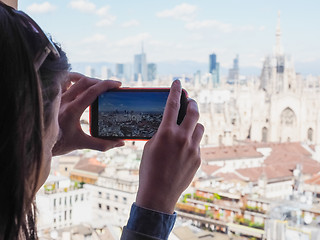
(30, 98)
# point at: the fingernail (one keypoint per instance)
(178, 82)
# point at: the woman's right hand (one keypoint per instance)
(74, 100)
(171, 158)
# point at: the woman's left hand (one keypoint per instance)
(74, 100)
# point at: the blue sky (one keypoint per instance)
(112, 31)
(133, 101)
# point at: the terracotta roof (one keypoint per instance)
(209, 169)
(270, 172)
(230, 176)
(315, 180)
(288, 155)
(90, 165)
(280, 170)
(229, 153)
(293, 147)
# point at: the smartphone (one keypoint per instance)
(131, 113)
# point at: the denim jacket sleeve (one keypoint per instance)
(148, 224)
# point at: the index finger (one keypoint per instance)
(75, 77)
(171, 110)
(88, 96)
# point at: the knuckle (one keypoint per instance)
(193, 152)
(193, 111)
(85, 81)
(182, 139)
(194, 114)
(173, 104)
(166, 133)
(92, 91)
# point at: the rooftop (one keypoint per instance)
(90, 165)
(209, 154)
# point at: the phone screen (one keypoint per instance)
(131, 113)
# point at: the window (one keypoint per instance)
(65, 215)
(264, 135)
(82, 197)
(107, 196)
(54, 202)
(288, 117)
(66, 169)
(124, 200)
(116, 198)
(108, 208)
(310, 134)
(99, 205)
(76, 198)
(100, 194)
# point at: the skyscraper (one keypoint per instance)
(105, 72)
(89, 71)
(152, 71)
(119, 70)
(234, 71)
(140, 66)
(212, 62)
(214, 69)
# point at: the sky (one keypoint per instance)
(169, 30)
(133, 101)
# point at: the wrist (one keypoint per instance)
(161, 203)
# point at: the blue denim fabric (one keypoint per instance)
(151, 223)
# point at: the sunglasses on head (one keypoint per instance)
(47, 46)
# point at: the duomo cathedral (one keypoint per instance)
(280, 106)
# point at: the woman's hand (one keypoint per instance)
(74, 100)
(171, 158)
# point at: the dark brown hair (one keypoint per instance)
(26, 98)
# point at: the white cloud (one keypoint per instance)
(131, 23)
(106, 17)
(106, 21)
(103, 11)
(209, 24)
(44, 7)
(97, 38)
(83, 5)
(183, 12)
(133, 40)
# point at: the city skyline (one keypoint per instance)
(180, 30)
(133, 101)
